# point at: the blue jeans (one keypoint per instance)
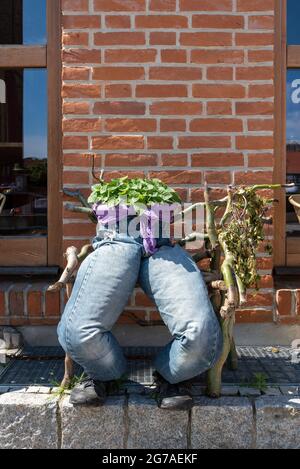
(103, 285)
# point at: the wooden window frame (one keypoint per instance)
(279, 132)
(43, 251)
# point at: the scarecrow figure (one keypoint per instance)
(131, 247)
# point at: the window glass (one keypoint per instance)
(293, 15)
(23, 152)
(293, 124)
(23, 22)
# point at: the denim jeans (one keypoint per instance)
(103, 285)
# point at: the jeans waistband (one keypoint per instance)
(110, 236)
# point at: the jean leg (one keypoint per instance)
(103, 285)
(172, 279)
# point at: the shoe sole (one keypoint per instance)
(186, 404)
(94, 403)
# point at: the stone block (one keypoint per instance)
(224, 423)
(278, 422)
(28, 421)
(150, 427)
(85, 427)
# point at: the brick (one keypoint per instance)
(254, 143)
(76, 108)
(163, 38)
(119, 5)
(119, 108)
(205, 5)
(219, 73)
(75, 39)
(218, 21)
(81, 229)
(16, 303)
(284, 302)
(130, 55)
(218, 91)
(115, 159)
(75, 73)
(83, 160)
(253, 316)
(118, 73)
(118, 22)
(176, 108)
(206, 39)
(118, 91)
(81, 22)
(161, 21)
(115, 142)
(159, 143)
(254, 108)
(81, 91)
(130, 125)
(118, 38)
(178, 177)
(260, 56)
(260, 160)
(82, 125)
(253, 177)
(161, 91)
(172, 125)
(297, 299)
(216, 125)
(197, 194)
(217, 56)
(254, 39)
(175, 73)
(255, 5)
(254, 73)
(260, 125)
(219, 160)
(162, 5)
(259, 299)
(52, 303)
(218, 177)
(141, 299)
(2, 303)
(261, 91)
(72, 142)
(73, 177)
(219, 108)
(174, 159)
(83, 56)
(75, 5)
(173, 56)
(204, 142)
(116, 174)
(34, 303)
(261, 22)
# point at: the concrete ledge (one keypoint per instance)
(33, 421)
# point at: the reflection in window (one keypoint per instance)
(22, 22)
(293, 14)
(23, 152)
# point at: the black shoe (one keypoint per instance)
(173, 396)
(89, 392)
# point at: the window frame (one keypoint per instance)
(42, 251)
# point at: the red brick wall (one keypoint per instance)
(178, 89)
